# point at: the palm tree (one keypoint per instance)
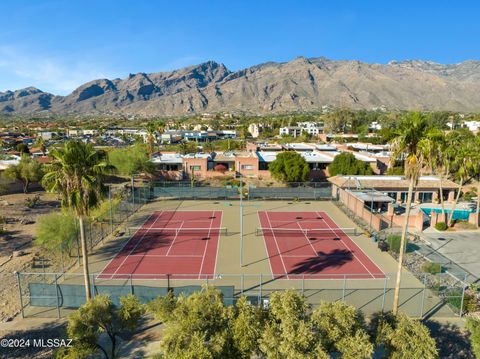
(466, 164)
(477, 152)
(77, 173)
(209, 147)
(434, 147)
(407, 145)
(151, 140)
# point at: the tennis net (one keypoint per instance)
(176, 231)
(307, 232)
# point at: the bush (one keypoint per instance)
(432, 268)
(393, 241)
(441, 226)
(32, 202)
(473, 326)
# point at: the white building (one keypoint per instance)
(312, 128)
(293, 131)
(254, 130)
(473, 126)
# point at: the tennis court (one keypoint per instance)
(312, 243)
(170, 242)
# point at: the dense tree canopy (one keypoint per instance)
(289, 166)
(346, 164)
(131, 160)
(201, 326)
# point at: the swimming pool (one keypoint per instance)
(461, 214)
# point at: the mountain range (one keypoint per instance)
(303, 84)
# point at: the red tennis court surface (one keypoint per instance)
(311, 243)
(170, 242)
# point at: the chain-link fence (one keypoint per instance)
(56, 294)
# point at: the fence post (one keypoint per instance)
(261, 288)
(20, 293)
(463, 294)
(344, 287)
(56, 294)
(242, 283)
(131, 284)
(93, 286)
(384, 293)
(110, 209)
(133, 194)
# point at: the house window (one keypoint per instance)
(195, 168)
(247, 167)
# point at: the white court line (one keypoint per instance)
(265, 245)
(361, 250)
(206, 246)
(136, 245)
(276, 243)
(121, 249)
(306, 238)
(165, 256)
(344, 244)
(174, 238)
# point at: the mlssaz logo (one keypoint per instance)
(52, 343)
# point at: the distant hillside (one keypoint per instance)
(299, 85)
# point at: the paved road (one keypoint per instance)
(461, 248)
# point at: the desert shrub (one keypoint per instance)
(441, 226)
(432, 268)
(31, 202)
(393, 241)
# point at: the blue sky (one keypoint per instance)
(57, 45)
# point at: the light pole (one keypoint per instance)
(241, 216)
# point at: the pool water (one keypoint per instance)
(461, 214)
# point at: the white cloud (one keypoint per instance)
(53, 74)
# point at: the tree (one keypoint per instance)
(131, 160)
(246, 323)
(473, 326)
(186, 147)
(28, 170)
(403, 337)
(288, 332)
(346, 164)
(434, 147)
(197, 326)
(57, 231)
(77, 174)
(342, 329)
(98, 316)
(289, 166)
(464, 161)
(412, 130)
(208, 147)
(22, 148)
(40, 142)
(151, 137)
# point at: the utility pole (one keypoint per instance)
(241, 216)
